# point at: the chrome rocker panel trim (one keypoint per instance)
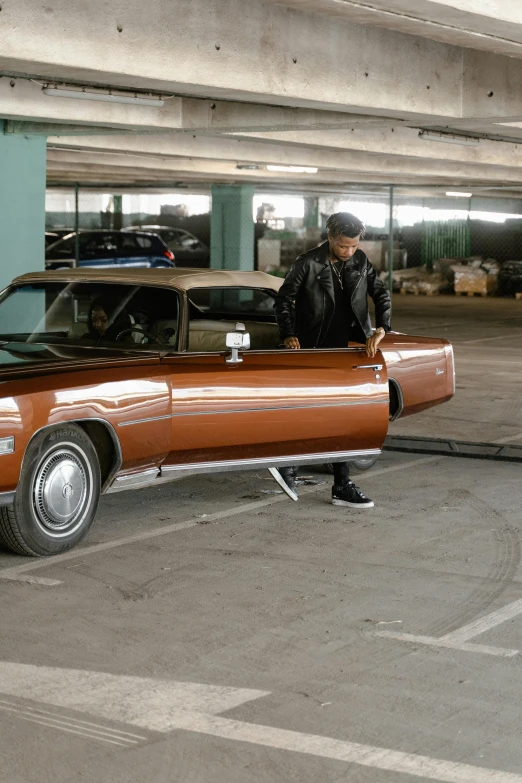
(155, 476)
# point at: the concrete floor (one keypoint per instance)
(486, 334)
(211, 631)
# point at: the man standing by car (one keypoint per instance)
(323, 303)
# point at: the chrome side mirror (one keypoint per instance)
(236, 341)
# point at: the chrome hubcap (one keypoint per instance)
(60, 490)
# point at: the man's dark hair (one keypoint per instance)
(344, 224)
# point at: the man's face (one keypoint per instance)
(99, 320)
(342, 247)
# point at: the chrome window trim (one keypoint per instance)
(254, 410)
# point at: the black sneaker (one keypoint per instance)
(286, 481)
(351, 496)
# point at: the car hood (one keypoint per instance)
(21, 359)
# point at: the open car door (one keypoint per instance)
(274, 408)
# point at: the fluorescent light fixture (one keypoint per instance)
(247, 166)
(108, 97)
(448, 138)
(458, 194)
(6, 445)
(294, 169)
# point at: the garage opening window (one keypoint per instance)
(95, 315)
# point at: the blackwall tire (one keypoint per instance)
(57, 495)
(363, 463)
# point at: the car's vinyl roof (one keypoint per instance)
(182, 279)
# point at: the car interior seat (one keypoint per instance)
(208, 335)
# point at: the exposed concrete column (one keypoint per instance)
(22, 204)
(311, 211)
(118, 212)
(232, 227)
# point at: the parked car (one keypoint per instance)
(510, 278)
(108, 248)
(50, 238)
(188, 249)
(116, 379)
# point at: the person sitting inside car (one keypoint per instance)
(107, 321)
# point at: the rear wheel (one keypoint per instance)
(363, 463)
(57, 496)
(360, 464)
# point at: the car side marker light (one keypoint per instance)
(7, 445)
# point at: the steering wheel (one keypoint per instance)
(144, 333)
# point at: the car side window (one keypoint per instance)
(215, 311)
(98, 245)
(143, 242)
(63, 249)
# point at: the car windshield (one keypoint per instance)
(90, 314)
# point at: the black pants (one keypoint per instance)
(341, 473)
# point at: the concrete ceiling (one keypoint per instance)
(340, 85)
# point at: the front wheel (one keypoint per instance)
(57, 495)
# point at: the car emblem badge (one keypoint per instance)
(67, 491)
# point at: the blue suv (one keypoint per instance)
(109, 248)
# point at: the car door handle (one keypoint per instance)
(376, 367)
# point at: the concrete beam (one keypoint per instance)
(138, 45)
(479, 24)
(390, 154)
(362, 169)
(22, 99)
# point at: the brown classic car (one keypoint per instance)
(120, 379)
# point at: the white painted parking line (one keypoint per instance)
(485, 623)
(85, 729)
(509, 439)
(19, 573)
(458, 639)
(341, 750)
(146, 702)
(164, 706)
(444, 641)
(480, 340)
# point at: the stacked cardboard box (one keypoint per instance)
(416, 281)
(476, 276)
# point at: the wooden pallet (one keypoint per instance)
(471, 293)
(404, 291)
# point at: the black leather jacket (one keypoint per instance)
(304, 305)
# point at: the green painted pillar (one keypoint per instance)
(22, 204)
(118, 212)
(232, 227)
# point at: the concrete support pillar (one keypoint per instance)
(118, 212)
(22, 204)
(232, 227)
(311, 212)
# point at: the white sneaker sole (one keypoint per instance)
(282, 483)
(336, 502)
